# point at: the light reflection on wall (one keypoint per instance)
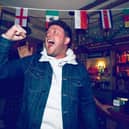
(101, 65)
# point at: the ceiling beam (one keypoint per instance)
(102, 4)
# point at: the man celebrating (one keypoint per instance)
(57, 91)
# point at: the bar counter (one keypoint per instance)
(121, 117)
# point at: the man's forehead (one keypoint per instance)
(54, 26)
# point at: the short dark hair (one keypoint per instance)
(65, 27)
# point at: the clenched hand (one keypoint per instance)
(15, 33)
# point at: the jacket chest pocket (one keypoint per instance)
(38, 81)
(75, 85)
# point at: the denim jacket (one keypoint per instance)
(78, 107)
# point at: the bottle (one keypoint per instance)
(123, 57)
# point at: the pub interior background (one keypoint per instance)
(105, 53)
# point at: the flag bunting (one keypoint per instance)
(81, 19)
(51, 15)
(21, 16)
(126, 17)
(106, 19)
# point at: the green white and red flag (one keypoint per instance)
(51, 15)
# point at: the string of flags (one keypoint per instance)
(51, 15)
(106, 19)
(81, 18)
(21, 16)
(126, 17)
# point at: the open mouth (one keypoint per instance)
(50, 43)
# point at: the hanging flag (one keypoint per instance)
(126, 17)
(21, 16)
(81, 19)
(106, 19)
(51, 15)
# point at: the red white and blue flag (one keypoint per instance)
(81, 19)
(21, 16)
(106, 19)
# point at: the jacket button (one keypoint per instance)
(65, 112)
(64, 79)
(65, 95)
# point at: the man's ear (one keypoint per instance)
(67, 41)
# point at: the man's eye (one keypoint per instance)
(55, 32)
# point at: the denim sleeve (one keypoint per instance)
(4, 49)
(7, 68)
(87, 104)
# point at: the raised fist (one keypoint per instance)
(15, 33)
